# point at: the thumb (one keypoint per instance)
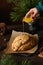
(28, 14)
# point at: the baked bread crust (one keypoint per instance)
(27, 46)
(19, 40)
(23, 42)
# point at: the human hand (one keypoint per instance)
(41, 52)
(33, 13)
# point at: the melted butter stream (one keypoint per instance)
(26, 20)
(23, 26)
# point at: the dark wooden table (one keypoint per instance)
(34, 57)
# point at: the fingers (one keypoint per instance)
(36, 16)
(41, 54)
(33, 13)
(29, 13)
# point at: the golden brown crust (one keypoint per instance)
(23, 42)
(27, 46)
(19, 40)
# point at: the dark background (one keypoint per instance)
(5, 9)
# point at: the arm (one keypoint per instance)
(36, 11)
(40, 7)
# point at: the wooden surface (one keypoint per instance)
(34, 57)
